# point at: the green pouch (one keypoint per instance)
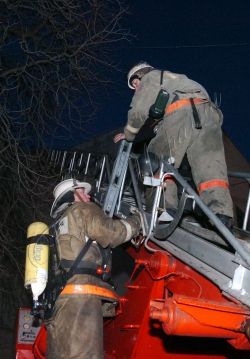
(157, 110)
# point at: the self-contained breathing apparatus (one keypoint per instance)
(37, 261)
(58, 271)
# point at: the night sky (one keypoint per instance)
(207, 41)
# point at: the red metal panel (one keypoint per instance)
(24, 353)
(134, 335)
(39, 347)
(27, 330)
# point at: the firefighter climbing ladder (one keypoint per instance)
(117, 178)
(64, 162)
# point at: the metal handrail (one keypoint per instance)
(246, 176)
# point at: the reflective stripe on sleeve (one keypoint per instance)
(131, 129)
(129, 230)
(211, 184)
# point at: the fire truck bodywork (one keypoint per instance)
(184, 296)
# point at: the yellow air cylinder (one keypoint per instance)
(37, 258)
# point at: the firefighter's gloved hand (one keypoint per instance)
(133, 226)
(136, 218)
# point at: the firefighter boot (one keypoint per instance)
(227, 221)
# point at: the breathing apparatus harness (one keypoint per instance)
(85, 267)
(58, 275)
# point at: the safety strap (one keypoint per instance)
(77, 194)
(40, 239)
(78, 259)
(196, 116)
(83, 264)
(162, 72)
(87, 267)
(103, 273)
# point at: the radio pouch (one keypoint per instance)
(157, 110)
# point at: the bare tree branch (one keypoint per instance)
(56, 58)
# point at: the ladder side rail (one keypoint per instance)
(121, 158)
(112, 197)
(137, 194)
(118, 172)
(156, 203)
(108, 169)
(118, 202)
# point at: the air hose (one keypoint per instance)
(163, 230)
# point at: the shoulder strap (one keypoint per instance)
(162, 72)
(79, 258)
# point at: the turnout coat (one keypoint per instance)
(191, 125)
(75, 329)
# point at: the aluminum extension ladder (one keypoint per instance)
(117, 178)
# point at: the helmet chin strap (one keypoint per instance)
(78, 195)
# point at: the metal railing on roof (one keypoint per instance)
(71, 164)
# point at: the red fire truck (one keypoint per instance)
(184, 289)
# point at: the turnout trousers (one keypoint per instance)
(75, 331)
(177, 135)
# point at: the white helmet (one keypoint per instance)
(138, 66)
(65, 186)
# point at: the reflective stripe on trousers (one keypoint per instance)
(212, 183)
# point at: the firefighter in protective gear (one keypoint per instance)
(75, 329)
(190, 125)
